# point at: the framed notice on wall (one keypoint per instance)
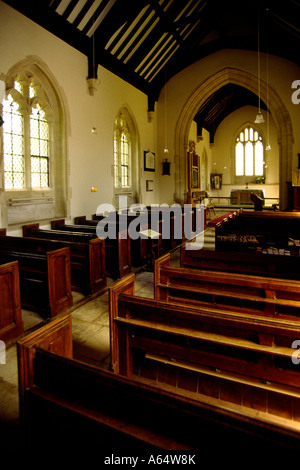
(216, 181)
(149, 185)
(149, 161)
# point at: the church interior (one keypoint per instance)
(176, 122)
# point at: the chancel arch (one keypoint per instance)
(280, 115)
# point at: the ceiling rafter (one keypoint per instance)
(146, 42)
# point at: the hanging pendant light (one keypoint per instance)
(268, 146)
(259, 117)
(93, 82)
(166, 150)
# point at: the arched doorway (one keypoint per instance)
(277, 108)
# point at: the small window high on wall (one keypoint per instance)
(249, 155)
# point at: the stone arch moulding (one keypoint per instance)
(53, 95)
(277, 108)
(134, 193)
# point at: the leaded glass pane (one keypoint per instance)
(35, 180)
(8, 180)
(34, 147)
(44, 130)
(44, 180)
(39, 147)
(8, 163)
(35, 166)
(7, 143)
(34, 128)
(18, 180)
(17, 124)
(13, 145)
(239, 159)
(18, 163)
(44, 148)
(44, 165)
(249, 159)
(259, 157)
(39, 172)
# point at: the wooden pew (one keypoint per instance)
(234, 360)
(286, 267)
(117, 249)
(54, 336)
(45, 280)
(141, 249)
(164, 220)
(270, 214)
(88, 273)
(138, 247)
(259, 233)
(11, 323)
(234, 291)
(66, 404)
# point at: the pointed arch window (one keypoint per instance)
(249, 153)
(26, 137)
(122, 154)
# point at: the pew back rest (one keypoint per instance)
(55, 336)
(219, 354)
(270, 265)
(229, 290)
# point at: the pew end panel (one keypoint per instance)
(164, 260)
(11, 323)
(29, 228)
(124, 250)
(55, 336)
(79, 219)
(97, 266)
(125, 285)
(55, 224)
(87, 253)
(59, 280)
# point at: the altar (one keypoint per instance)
(241, 197)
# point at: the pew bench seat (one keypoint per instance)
(223, 355)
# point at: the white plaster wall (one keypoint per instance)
(89, 157)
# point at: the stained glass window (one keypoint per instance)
(26, 141)
(121, 154)
(249, 154)
(13, 145)
(39, 148)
